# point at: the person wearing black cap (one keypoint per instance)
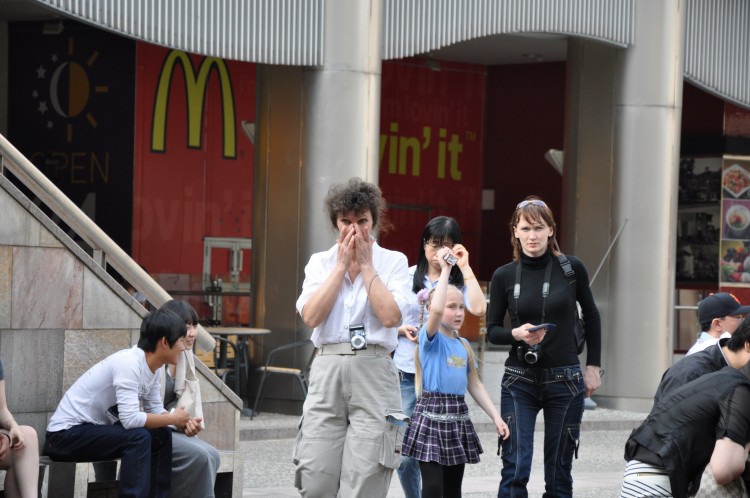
(733, 351)
(719, 315)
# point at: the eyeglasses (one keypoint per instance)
(437, 245)
(535, 202)
(736, 317)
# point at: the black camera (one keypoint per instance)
(529, 354)
(357, 337)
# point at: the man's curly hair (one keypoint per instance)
(356, 196)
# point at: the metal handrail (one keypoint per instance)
(81, 224)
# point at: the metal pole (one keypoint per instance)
(609, 249)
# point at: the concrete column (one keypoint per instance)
(636, 288)
(342, 112)
(647, 150)
(315, 127)
(586, 224)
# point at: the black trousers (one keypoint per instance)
(146, 454)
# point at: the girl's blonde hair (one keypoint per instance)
(464, 342)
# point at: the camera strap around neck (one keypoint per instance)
(545, 289)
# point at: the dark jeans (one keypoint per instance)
(145, 454)
(558, 392)
(408, 470)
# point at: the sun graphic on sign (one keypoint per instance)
(68, 91)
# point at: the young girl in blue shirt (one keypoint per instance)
(441, 436)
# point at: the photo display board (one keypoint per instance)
(699, 222)
(735, 222)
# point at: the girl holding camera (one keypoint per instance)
(354, 297)
(441, 436)
(441, 231)
(542, 371)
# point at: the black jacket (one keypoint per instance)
(682, 429)
(690, 368)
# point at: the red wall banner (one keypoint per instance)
(431, 149)
(193, 173)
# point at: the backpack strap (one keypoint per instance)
(567, 269)
(579, 332)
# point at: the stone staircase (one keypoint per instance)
(61, 312)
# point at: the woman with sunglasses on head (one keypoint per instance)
(441, 231)
(543, 370)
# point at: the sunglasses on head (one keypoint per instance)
(535, 202)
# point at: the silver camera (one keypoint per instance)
(357, 337)
(450, 259)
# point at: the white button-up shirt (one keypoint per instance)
(352, 306)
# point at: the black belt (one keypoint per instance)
(547, 375)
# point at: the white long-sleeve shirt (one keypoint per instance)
(351, 306)
(120, 387)
(705, 340)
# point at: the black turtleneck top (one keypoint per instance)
(558, 346)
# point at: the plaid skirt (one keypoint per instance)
(441, 431)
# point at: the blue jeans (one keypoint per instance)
(146, 454)
(558, 392)
(408, 471)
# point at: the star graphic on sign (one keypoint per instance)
(42, 107)
(34, 94)
(40, 72)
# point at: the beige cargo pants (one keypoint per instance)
(343, 448)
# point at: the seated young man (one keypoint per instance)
(100, 416)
